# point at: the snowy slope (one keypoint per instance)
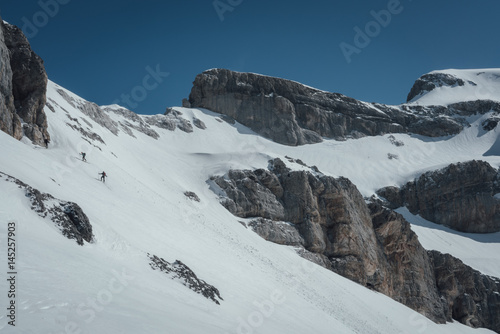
(108, 286)
(480, 84)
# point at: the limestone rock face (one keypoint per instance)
(460, 196)
(367, 243)
(409, 274)
(68, 217)
(9, 121)
(331, 220)
(472, 298)
(431, 81)
(294, 114)
(278, 232)
(29, 85)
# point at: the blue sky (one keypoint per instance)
(152, 50)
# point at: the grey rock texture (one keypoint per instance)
(294, 114)
(9, 121)
(92, 110)
(460, 196)
(331, 220)
(471, 297)
(332, 225)
(278, 232)
(192, 196)
(135, 122)
(408, 275)
(247, 197)
(180, 272)
(430, 81)
(67, 216)
(23, 85)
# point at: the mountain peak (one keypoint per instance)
(453, 86)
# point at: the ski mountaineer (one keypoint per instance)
(83, 156)
(103, 176)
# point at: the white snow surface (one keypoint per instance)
(480, 84)
(108, 286)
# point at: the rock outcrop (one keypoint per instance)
(9, 121)
(23, 85)
(294, 114)
(369, 244)
(67, 216)
(460, 196)
(472, 298)
(431, 81)
(180, 272)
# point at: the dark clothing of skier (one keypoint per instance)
(103, 176)
(83, 156)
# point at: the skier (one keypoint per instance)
(46, 141)
(103, 176)
(83, 156)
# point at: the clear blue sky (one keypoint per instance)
(103, 49)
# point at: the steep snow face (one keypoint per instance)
(453, 86)
(108, 286)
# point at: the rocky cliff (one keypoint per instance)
(431, 81)
(9, 121)
(460, 196)
(472, 298)
(369, 244)
(294, 114)
(23, 85)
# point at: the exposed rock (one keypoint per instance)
(278, 232)
(180, 272)
(171, 120)
(392, 156)
(192, 196)
(431, 81)
(460, 196)
(23, 86)
(330, 223)
(9, 121)
(136, 122)
(471, 297)
(185, 103)
(247, 197)
(182, 123)
(294, 114)
(199, 123)
(490, 123)
(90, 135)
(330, 219)
(406, 271)
(92, 110)
(67, 216)
(395, 142)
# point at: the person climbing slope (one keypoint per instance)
(103, 176)
(83, 156)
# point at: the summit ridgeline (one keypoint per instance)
(293, 114)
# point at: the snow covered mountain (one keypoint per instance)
(161, 254)
(455, 86)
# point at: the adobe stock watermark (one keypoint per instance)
(372, 29)
(49, 9)
(87, 311)
(266, 308)
(223, 6)
(139, 93)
